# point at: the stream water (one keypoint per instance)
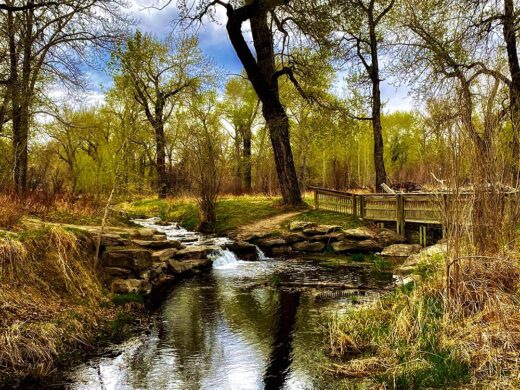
(227, 330)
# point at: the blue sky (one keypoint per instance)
(215, 44)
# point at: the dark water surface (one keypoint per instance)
(227, 330)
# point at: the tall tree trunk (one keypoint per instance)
(20, 148)
(379, 162)
(162, 177)
(261, 74)
(246, 158)
(509, 30)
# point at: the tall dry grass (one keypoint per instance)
(49, 299)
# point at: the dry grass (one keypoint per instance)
(49, 299)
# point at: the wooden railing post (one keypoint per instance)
(316, 202)
(400, 214)
(354, 205)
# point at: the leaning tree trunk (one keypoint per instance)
(162, 177)
(509, 31)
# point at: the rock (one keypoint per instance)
(117, 272)
(194, 252)
(181, 267)
(437, 249)
(272, 242)
(307, 246)
(336, 236)
(159, 236)
(109, 239)
(146, 232)
(348, 245)
(133, 259)
(163, 223)
(126, 286)
(293, 238)
(280, 250)
(331, 237)
(244, 250)
(163, 255)
(360, 233)
(388, 237)
(321, 229)
(158, 244)
(401, 250)
(413, 261)
(300, 225)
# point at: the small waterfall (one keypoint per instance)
(224, 259)
(260, 254)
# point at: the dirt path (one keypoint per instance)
(265, 225)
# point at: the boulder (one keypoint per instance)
(272, 242)
(164, 244)
(300, 225)
(244, 250)
(293, 238)
(127, 286)
(321, 229)
(181, 267)
(331, 237)
(159, 236)
(307, 246)
(388, 237)
(194, 252)
(133, 259)
(413, 261)
(280, 250)
(401, 250)
(360, 233)
(348, 245)
(163, 255)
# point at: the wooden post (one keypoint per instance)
(316, 204)
(400, 214)
(362, 206)
(354, 205)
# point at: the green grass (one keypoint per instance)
(121, 299)
(232, 211)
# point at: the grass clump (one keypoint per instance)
(323, 217)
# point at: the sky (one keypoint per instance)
(215, 44)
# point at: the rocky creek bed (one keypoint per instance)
(244, 320)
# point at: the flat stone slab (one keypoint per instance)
(389, 237)
(243, 250)
(180, 267)
(360, 233)
(352, 246)
(126, 286)
(401, 250)
(129, 258)
(194, 252)
(293, 238)
(280, 250)
(300, 225)
(272, 242)
(321, 229)
(163, 255)
(307, 246)
(164, 244)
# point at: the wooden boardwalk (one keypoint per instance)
(423, 209)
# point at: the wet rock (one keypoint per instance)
(389, 237)
(321, 229)
(146, 232)
(300, 225)
(159, 236)
(360, 233)
(158, 244)
(127, 286)
(194, 252)
(272, 242)
(307, 246)
(181, 267)
(133, 259)
(293, 238)
(280, 250)
(401, 250)
(353, 246)
(244, 250)
(163, 255)
(116, 272)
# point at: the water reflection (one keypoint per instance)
(227, 330)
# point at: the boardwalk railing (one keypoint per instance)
(421, 208)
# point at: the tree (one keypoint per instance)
(44, 40)
(262, 72)
(240, 108)
(158, 75)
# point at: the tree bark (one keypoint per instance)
(509, 30)
(246, 158)
(379, 162)
(261, 74)
(162, 176)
